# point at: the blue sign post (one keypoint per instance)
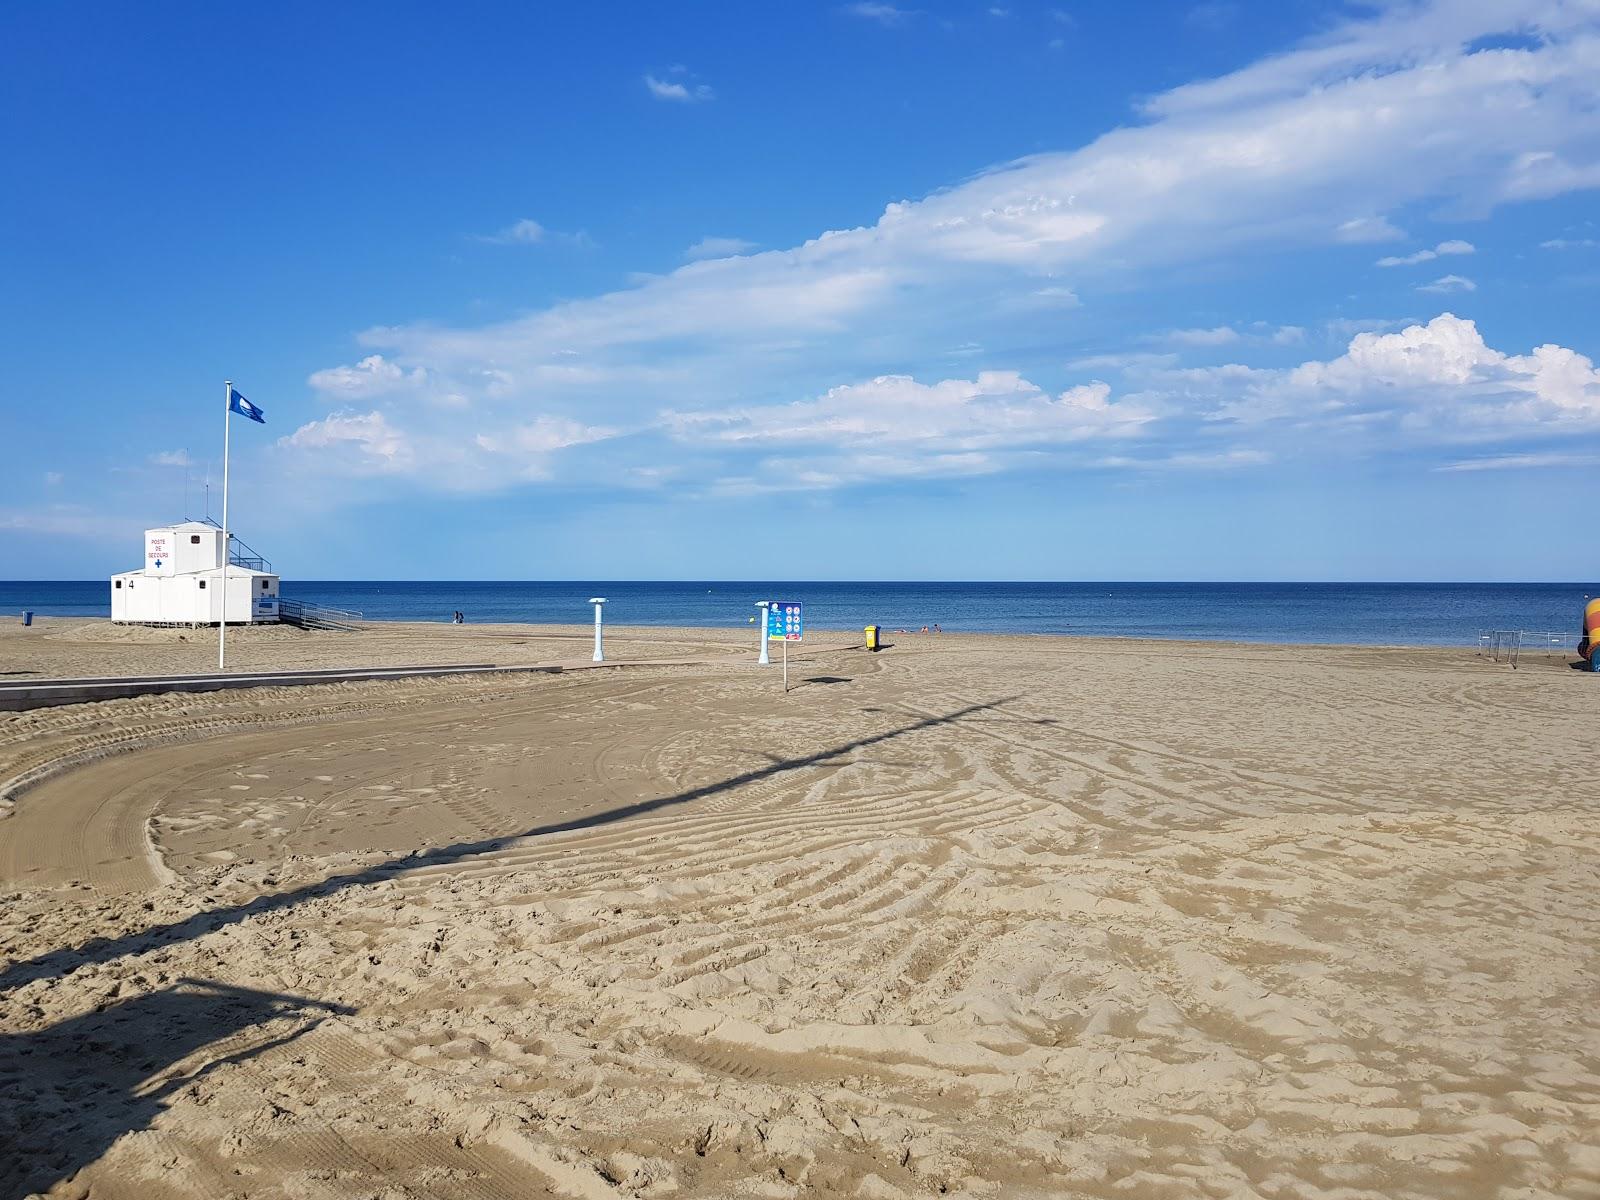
(785, 623)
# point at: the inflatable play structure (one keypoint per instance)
(1589, 640)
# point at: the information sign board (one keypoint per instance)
(785, 621)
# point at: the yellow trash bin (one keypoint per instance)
(872, 637)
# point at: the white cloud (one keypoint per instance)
(1544, 173)
(1217, 460)
(1449, 283)
(1425, 35)
(718, 247)
(1326, 143)
(1422, 256)
(543, 435)
(1228, 335)
(680, 91)
(1438, 381)
(1128, 361)
(884, 14)
(53, 478)
(378, 445)
(1360, 230)
(172, 458)
(447, 451)
(1522, 462)
(1284, 170)
(372, 376)
(886, 426)
(526, 232)
(1570, 244)
(1222, 335)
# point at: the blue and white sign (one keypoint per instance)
(785, 621)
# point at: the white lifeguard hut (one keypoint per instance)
(186, 568)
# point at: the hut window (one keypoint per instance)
(202, 583)
(194, 539)
(263, 585)
(118, 583)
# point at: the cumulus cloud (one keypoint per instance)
(1435, 381)
(1449, 283)
(1421, 256)
(718, 247)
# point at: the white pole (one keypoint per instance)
(766, 651)
(222, 625)
(599, 642)
(785, 666)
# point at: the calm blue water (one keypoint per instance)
(1361, 613)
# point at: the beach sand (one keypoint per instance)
(80, 647)
(976, 916)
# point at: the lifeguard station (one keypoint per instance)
(186, 569)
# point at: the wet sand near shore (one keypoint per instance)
(976, 916)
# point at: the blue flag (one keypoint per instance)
(244, 408)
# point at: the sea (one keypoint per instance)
(1395, 614)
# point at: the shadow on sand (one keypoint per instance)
(69, 1091)
(63, 962)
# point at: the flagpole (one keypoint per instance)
(222, 625)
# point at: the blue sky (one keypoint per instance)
(1070, 291)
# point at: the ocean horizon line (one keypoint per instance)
(1412, 612)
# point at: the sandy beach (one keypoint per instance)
(976, 916)
(77, 646)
